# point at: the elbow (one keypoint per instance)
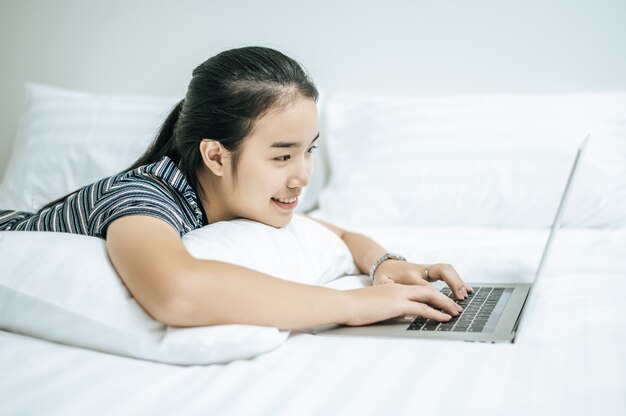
(163, 309)
(173, 304)
(177, 309)
(171, 313)
(182, 309)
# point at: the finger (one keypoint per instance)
(450, 276)
(433, 297)
(421, 309)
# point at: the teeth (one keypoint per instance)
(286, 201)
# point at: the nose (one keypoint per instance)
(301, 173)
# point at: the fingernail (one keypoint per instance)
(460, 309)
(445, 315)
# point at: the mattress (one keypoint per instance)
(569, 357)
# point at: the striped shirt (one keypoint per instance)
(159, 189)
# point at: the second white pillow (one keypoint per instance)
(474, 160)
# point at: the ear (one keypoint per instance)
(214, 156)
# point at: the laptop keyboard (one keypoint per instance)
(477, 308)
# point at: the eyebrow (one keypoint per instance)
(288, 145)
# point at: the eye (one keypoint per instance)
(287, 157)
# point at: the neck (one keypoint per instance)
(209, 196)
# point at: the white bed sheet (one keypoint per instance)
(570, 357)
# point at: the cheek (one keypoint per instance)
(262, 185)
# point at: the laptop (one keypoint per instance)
(492, 313)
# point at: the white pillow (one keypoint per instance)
(475, 160)
(68, 139)
(62, 287)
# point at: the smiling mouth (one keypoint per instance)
(286, 205)
(286, 200)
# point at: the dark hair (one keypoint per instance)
(226, 95)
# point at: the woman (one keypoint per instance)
(239, 145)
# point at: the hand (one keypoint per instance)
(378, 303)
(406, 273)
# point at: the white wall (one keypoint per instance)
(427, 47)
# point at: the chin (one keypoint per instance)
(279, 222)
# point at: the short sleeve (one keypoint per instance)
(137, 198)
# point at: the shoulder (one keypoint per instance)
(160, 181)
(158, 189)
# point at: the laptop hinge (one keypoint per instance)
(519, 318)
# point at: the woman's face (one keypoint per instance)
(276, 162)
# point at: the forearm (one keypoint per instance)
(216, 293)
(364, 250)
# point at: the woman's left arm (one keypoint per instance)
(366, 251)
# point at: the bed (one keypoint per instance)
(475, 183)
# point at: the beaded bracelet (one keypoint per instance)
(386, 256)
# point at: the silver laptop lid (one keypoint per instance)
(556, 224)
